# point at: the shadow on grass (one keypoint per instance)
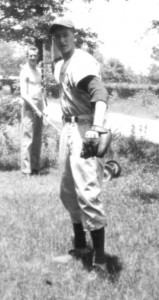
(44, 172)
(149, 198)
(114, 265)
(146, 197)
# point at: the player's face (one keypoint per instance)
(32, 58)
(64, 39)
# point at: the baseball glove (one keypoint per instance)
(97, 147)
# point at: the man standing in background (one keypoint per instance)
(31, 131)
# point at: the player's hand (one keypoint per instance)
(45, 112)
(90, 144)
(91, 134)
(38, 113)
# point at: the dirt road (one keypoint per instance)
(140, 127)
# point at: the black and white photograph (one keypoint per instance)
(79, 149)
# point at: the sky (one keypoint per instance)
(123, 27)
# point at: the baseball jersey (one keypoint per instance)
(68, 74)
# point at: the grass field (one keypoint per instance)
(36, 229)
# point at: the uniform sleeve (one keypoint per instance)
(82, 66)
(95, 88)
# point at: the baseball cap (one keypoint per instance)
(61, 21)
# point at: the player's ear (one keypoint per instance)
(78, 40)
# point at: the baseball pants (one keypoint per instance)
(80, 179)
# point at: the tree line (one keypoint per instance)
(27, 21)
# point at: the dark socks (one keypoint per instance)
(79, 236)
(98, 245)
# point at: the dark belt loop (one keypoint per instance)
(71, 119)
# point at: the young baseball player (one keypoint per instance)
(84, 101)
(31, 93)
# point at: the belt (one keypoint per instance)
(78, 119)
(72, 119)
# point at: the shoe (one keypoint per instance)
(83, 254)
(98, 271)
(80, 253)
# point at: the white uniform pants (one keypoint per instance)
(81, 179)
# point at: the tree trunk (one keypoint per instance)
(39, 45)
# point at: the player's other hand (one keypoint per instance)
(46, 111)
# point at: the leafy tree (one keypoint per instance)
(113, 71)
(21, 19)
(155, 24)
(154, 74)
(27, 18)
(9, 62)
(155, 53)
(154, 69)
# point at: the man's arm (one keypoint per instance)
(99, 114)
(99, 98)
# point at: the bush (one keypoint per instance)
(114, 71)
(146, 97)
(10, 113)
(9, 130)
(126, 90)
(12, 83)
(10, 148)
(9, 108)
(123, 89)
(53, 90)
(135, 150)
(50, 146)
